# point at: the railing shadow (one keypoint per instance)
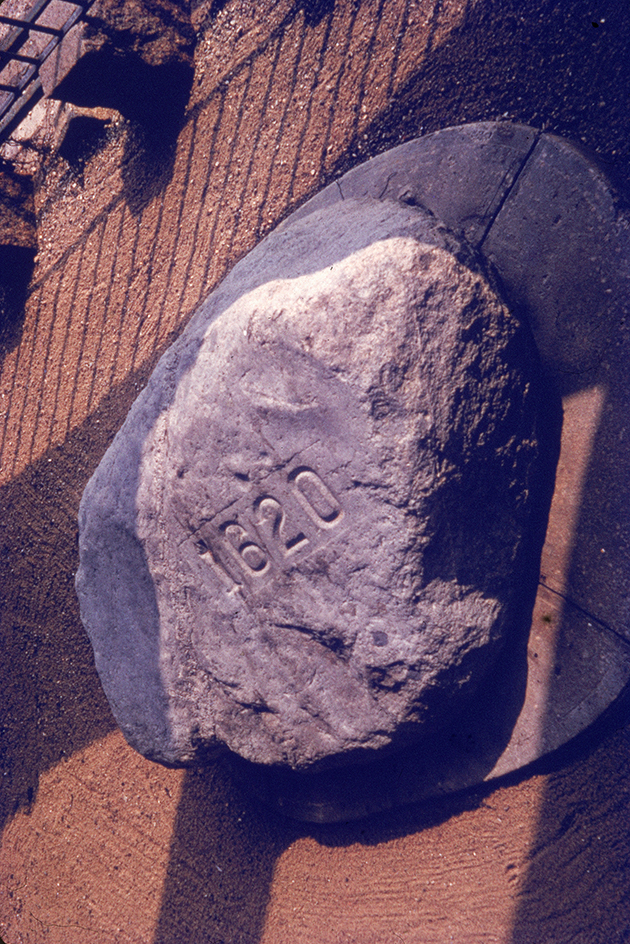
(223, 854)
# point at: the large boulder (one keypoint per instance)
(307, 541)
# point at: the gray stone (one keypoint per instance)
(309, 538)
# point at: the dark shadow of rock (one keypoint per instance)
(316, 10)
(215, 8)
(153, 96)
(137, 58)
(575, 887)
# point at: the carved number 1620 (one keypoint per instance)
(251, 557)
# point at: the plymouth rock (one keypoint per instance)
(308, 540)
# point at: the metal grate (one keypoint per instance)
(29, 33)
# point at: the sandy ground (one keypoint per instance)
(100, 845)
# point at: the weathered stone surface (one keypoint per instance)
(307, 538)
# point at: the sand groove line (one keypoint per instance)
(118, 219)
(85, 334)
(325, 136)
(160, 305)
(255, 139)
(43, 426)
(397, 49)
(25, 372)
(373, 20)
(144, 272)
(201, 211)
(81, 315)
(14, 358)
(74, 282)
(309, 107)
(223, 186)
(276, 140)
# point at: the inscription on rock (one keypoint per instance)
(251, 539)
(305, 543)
